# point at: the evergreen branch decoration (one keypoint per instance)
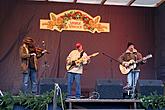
(30, 101)
(40, 102)
(7, 102)
(153, 101)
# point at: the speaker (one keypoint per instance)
(47, 84)
(148, 87)
(109, 89)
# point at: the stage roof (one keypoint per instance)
(139, 3)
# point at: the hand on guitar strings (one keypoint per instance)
(125, 64)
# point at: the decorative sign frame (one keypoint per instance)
(74, 20)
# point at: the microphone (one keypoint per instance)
(43, 43)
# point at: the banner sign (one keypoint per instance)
(74, 20)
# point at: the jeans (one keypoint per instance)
(32, 74)
(71, 77)
(132, 78)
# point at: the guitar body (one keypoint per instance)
(126, 70)
(132, 64)
(68, 66)
(74, 64)
(78, 62)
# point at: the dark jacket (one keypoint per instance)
(127, 56)
(25, 56)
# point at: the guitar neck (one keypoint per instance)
(138, 61)
(90, 56)
(144, 58)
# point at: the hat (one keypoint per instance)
(129, 44)
(28, 40)
(78, 45)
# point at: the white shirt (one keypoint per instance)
(74, 55)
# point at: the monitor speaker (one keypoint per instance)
(109, 89)
(148, 87)
(48, 84)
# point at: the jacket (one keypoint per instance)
(25, 56)
(127, 56)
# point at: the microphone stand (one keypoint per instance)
(45, 65)
(111, 60)
(57, 91)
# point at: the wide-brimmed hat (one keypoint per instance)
(28, 40)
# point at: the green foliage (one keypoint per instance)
(153, 101)
(30, 101)
(7, 102)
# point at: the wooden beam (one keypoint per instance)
(130, 2)
(159, 3)
(102, 2)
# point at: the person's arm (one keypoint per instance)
(139, 56)
(122, 61)
(86, 58)
(23, 53)
(68, 59)
(121, 58)
(40, 54)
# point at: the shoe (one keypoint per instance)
(68, 98)
(71, 97)
(127, 87)
(77, 97)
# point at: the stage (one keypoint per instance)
(37, 38)
(102, 103)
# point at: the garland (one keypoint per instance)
(154, 101)
(29, 101)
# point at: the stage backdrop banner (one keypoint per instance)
(74, 20)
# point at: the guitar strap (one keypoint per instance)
(81, 54)
(73, 62)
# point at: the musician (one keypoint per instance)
(131, 54)
(29, 55)
(76, 69)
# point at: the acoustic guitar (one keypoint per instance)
(78, 62)
(132, 64)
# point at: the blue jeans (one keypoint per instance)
(132, 78)
(32, 74)
(71, 77)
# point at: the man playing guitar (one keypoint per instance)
(131, 54)
(75, 68)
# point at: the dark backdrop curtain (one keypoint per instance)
(20, 19)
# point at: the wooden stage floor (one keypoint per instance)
(102, 104)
